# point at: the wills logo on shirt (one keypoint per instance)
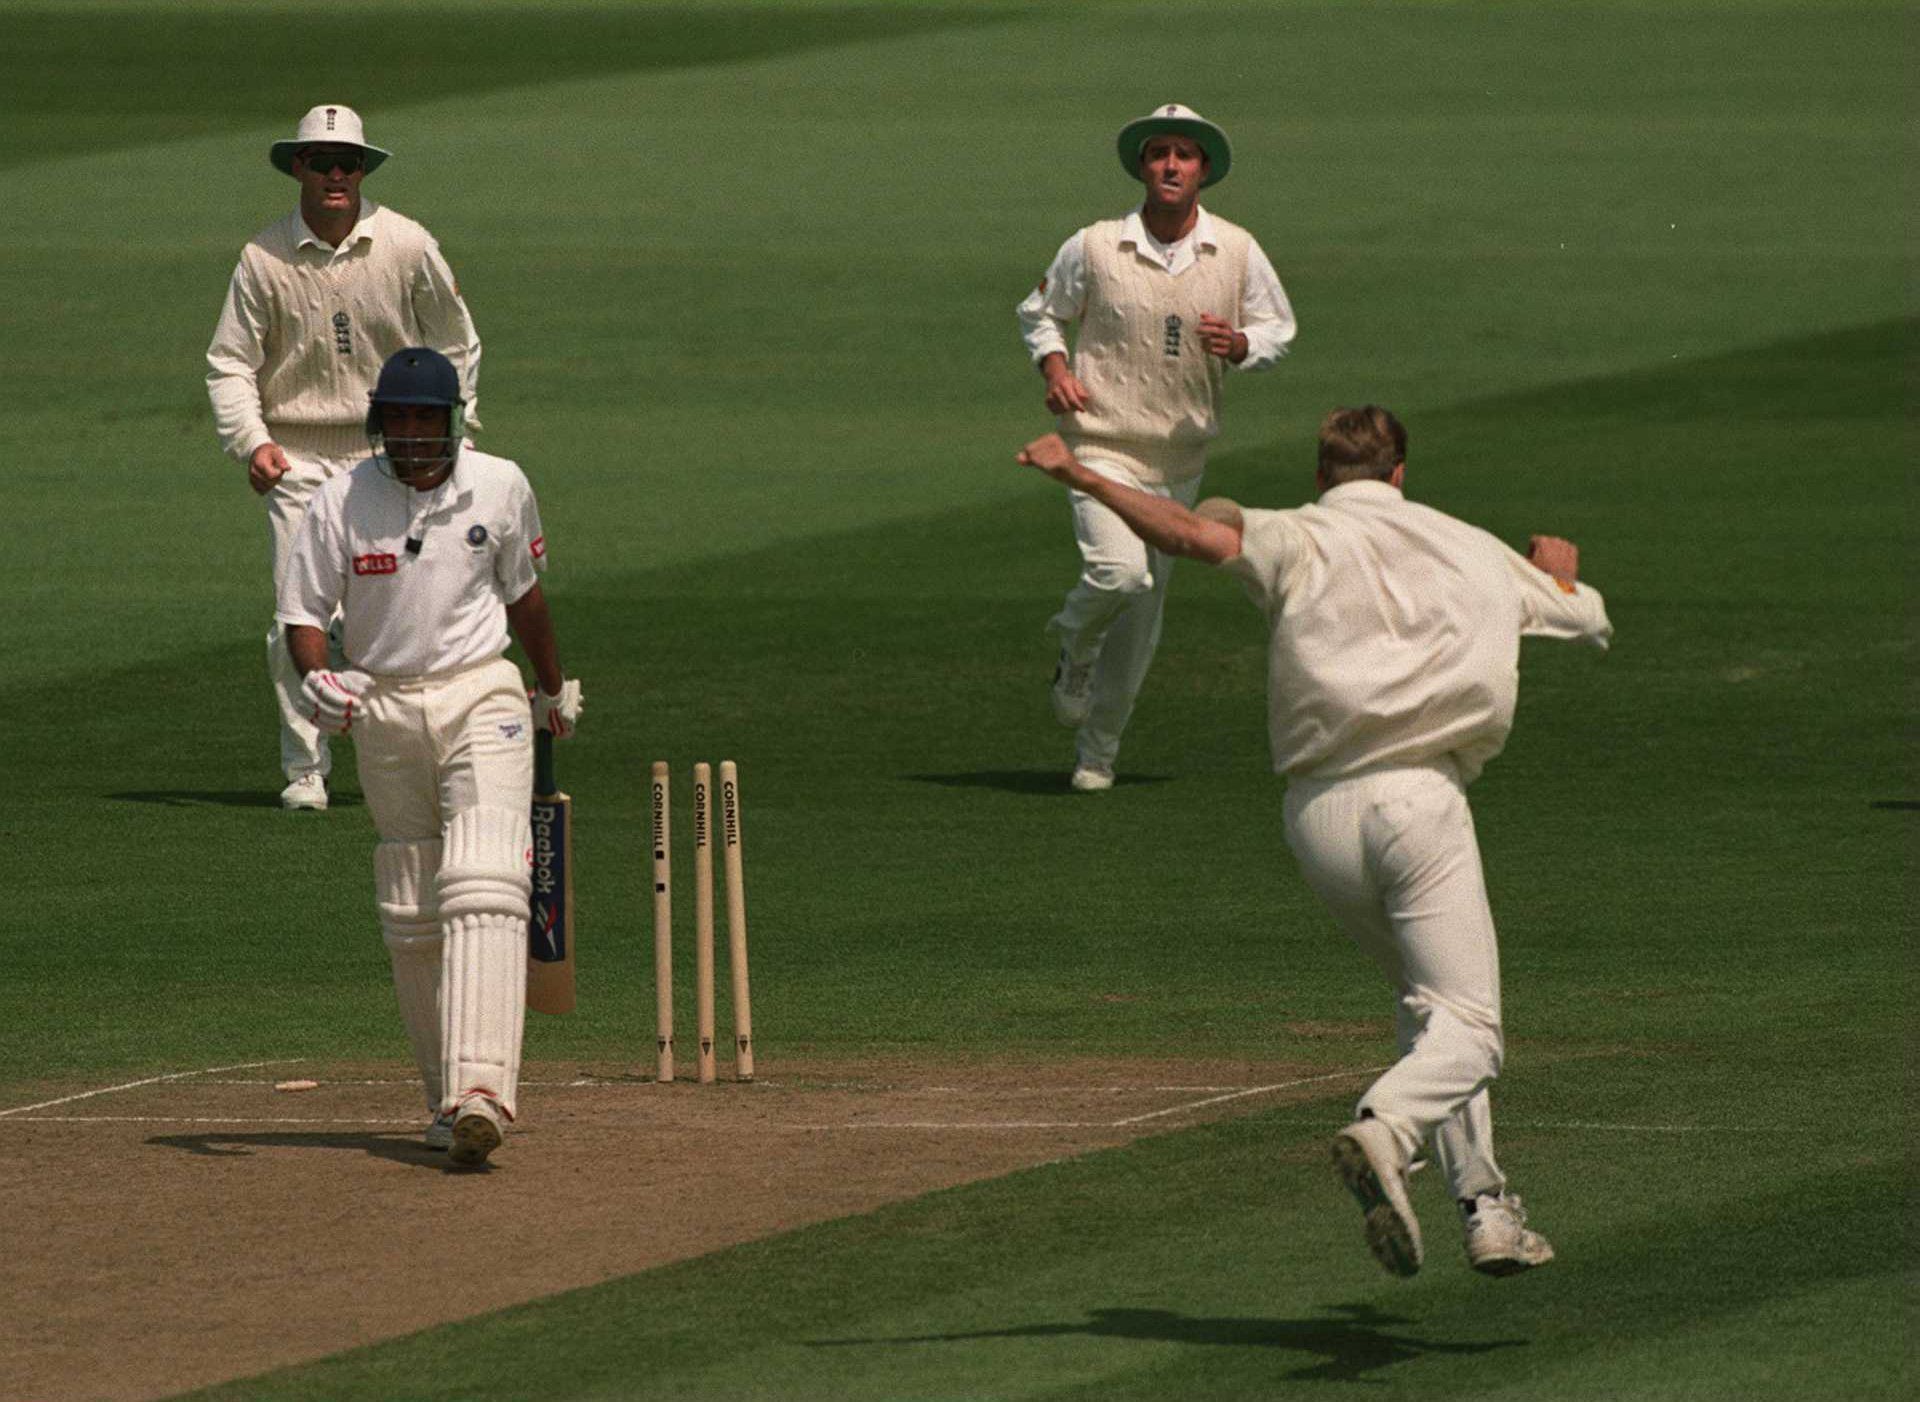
(1172, 343)
(342, 333)
(376, 564)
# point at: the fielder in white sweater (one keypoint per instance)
(1164, 299)
(318, 302)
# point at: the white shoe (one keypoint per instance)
(1091, 778)
(1498, 1240)
(1368, 1159)
(476, 1132)
(439, 1133)
(1072, 692)
(307, 791)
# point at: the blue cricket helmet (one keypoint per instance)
(418, 375)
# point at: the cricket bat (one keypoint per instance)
(550, 927)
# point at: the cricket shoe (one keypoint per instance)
(439, 1133)
(1369, 1161)
(306, 791)
(1091, 778)
(476, 1132)
(1499, 1242)
(1072, 692)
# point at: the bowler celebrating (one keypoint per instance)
(1165, 299)
(432, 554)
(1393, 670)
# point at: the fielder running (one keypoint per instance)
(1393, 670)
(1165, 300)
(432, 553)
(317, 303)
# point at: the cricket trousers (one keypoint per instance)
(1112, 614)
(314, 453)
(1393, 855)
(446, 763)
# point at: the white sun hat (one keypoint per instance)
(1174, 120)
(329, 124)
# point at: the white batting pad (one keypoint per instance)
(487, 867)
(484, 987)
(485, 878)
(404, 877)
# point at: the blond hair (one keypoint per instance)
(1361, 443)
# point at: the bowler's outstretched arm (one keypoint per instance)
(1165, 525)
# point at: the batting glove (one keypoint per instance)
(559, 714)
(333, 698)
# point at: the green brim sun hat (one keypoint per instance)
(1175, 120)
(326, 125)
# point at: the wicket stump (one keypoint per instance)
(703, 916)
(703, 921)
(736, 921)
(662, 928)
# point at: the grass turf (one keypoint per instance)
(745, 277)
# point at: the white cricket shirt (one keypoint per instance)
(409, 613)
(1396, 631)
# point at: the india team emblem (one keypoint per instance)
(476, 535)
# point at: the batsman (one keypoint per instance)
(432, 554)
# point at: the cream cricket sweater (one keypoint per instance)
(1155, 391)
(306, 327)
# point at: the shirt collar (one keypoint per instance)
(1134, 231)
(357, 234)
(1362, 487)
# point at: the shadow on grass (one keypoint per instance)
(407, 1149)
(1352, 1340)
(222, 798)
(1046, 782)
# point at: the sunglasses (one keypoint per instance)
(326, 159)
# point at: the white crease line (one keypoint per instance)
(198, 1120)
(588, 1082)
(413, 1082)
(1242, 1094)
(1646, 1129)
(1027, 1090)
(959, 1124)
(1239, 1094)
(149, 1081)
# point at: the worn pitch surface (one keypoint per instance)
(208, 1226)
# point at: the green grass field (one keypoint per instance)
(1636, 274)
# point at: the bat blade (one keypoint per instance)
(550, 923)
